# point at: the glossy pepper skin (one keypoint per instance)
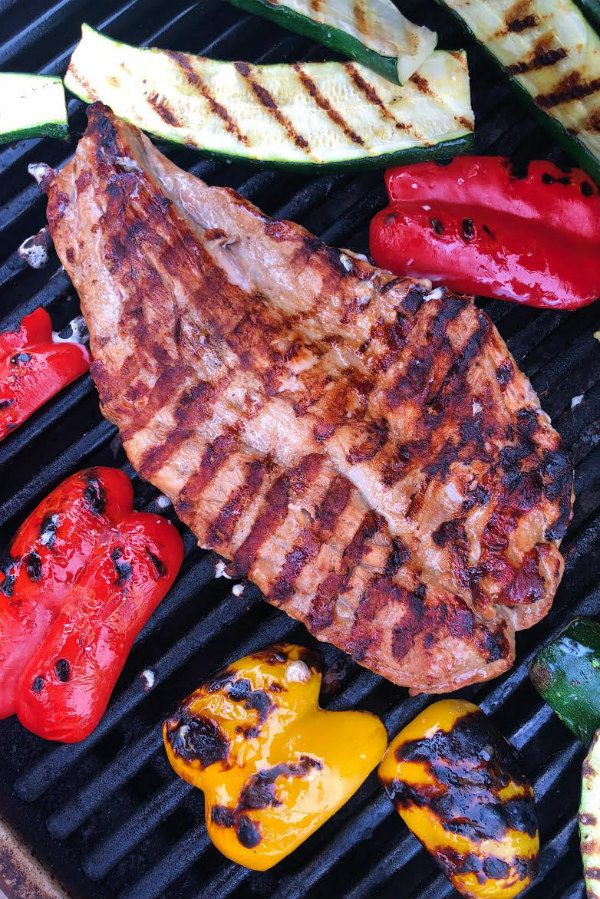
(456, 783)
(33, 368)
(479, 227)
(66, 685)
(272, 764)
(46, 556)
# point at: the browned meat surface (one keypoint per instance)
(363, 448)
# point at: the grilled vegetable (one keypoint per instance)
(567, 674)
(479, 228)
(31, 106)
(273, 765)
(327, 113)
(589, 819)
(48, 554)
(33, 368)
(552, 55)
(457, 784)
(373, 32)
(65, 687)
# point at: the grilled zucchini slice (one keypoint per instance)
(373, 32)
(327, 113)
(31, 106)
(552, 54)
(589, 819)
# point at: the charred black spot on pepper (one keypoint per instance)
(8, 584)
(20, 358)
(48, 530)
(63, 670)
(122, 568)
(259, 701)
(488, 231)
(437, 226)
(547, 178)
(495, 868)
(4, 404)
(586, 189)
(33, 565)
(469, 804)
(239, 689)
(468, 229)
(252, 732)
(94, 495)
(222, 816)
(158, 565)
(38, 683)
(259, 791)
(248, 833)
(194, 737)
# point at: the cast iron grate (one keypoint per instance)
(108, 816)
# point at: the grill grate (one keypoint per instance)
(108, 817)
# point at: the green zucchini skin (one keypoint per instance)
(446, 150)
(566, 673)
(336, 40)
(591, 10)
(568, 142)
(31, 106)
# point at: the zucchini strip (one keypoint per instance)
(326, 113)
(31, 106)
(552, 55)
(373, 32)
(589, 819)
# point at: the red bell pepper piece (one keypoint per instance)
(480, 228)
(47, 555)
(65, 687)
(33, 368)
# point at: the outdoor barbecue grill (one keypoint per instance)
(108, 817)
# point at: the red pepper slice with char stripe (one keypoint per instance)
(47, 555)
(34, 368)
(479, 227)
(65, 687)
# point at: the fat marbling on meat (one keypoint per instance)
(363, 448)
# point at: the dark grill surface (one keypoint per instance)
(108, 817)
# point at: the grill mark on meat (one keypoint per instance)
(322, 609)
(215, 454)
(268, 103)
(222, 528)
(290, 484)
(327, 513)
(323, 103)
(195, 407)
(199, 84)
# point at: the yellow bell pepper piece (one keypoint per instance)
(456, 783)
(272, 764)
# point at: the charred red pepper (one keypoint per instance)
(480, 227)
(47, 555)
(33, 368)
(65, 687)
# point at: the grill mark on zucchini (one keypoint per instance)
(373, 97)
(324, 104)
(360, 17)
(267, 101)
(315, 5)
(164, 110)
(543, 57)
(516, 26)
(196, 81)
(569, 89)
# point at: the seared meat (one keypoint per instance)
(362, 447)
